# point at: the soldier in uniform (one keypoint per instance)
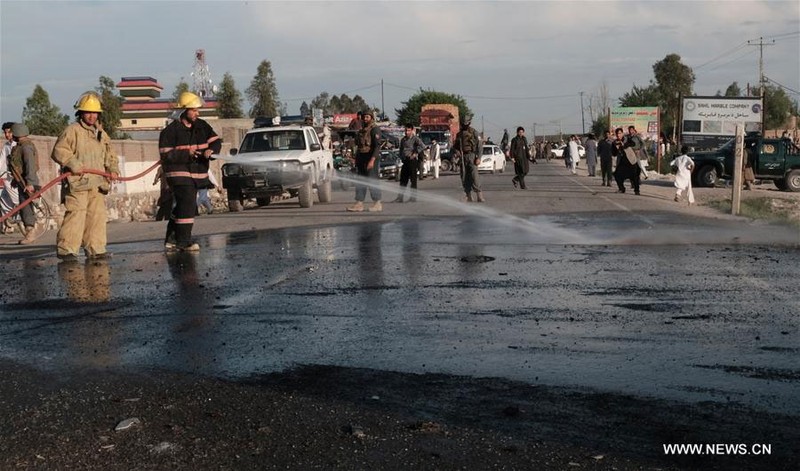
(84, 145)
(468, 145)
(368, 161)
(23, 167)
(186, 146)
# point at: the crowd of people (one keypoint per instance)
(188, 143)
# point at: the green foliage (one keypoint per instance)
(733, 90)
(42, 117)
(641, 96)
(180, 88)
(777, 107)
(263, 92)
(600, 126)
(305, 110)
(762, 208)
(409, 113)
(229, 100)
(111, 117)
(673, 79)
(322, 101)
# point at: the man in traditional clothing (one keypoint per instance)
(519, 154)
(683, 165)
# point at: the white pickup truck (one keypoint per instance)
(273, 161)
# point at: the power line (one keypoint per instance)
(482, 97)
(724, 54)
(782, 86)
(343, 93)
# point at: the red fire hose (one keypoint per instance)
(67, 174)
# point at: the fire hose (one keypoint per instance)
(64, 175)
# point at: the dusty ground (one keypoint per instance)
(337, 418)
(332, 417)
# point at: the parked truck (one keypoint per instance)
(772, 159)
(440, 122)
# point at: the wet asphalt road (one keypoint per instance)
(626, 297)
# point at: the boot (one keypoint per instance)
(32, 233)
(357, 207)
(480, 197)
(399, 199)
(468, 198)
(377, 207)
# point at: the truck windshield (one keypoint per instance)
(268, 141)
(427, 136)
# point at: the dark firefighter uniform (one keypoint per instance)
(181, 148)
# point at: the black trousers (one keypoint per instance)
(409, 171)
(179, 228)
(627, 171)
(605, 169)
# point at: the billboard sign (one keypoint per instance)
(709, 122)
(643, 118)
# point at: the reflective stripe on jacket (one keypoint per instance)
(181, 148)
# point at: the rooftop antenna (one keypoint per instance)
(202, 85)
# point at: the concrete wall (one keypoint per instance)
(128, 201)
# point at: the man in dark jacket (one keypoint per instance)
(627, 162)
(186, 146)
(411, 151)
(519, 154)
(604, 151)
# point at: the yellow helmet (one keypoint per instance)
(90, 102)
(188, 100)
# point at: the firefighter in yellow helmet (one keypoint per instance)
(186, 146)
(82, 146)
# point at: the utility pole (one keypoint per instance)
(383, 110)
(760, 45)
(583, 121)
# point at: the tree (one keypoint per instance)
(111, 118)
(641, 96)
(673, 80)
(598, 109)
(409, 113)
(180, 88)
(229, 100)
(322, 101)
(777, 107)
(304, 109)
(42, 117)
(733, 90)
(263, 93)
(600, 126)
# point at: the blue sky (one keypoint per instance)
(516, 63)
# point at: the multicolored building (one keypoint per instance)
(145, 110)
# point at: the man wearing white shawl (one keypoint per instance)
(683, 166)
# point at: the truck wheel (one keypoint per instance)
(306, 195)
(235, 206)
(445, 166)
(263, 201)
(707, 176)
(324, 191)
(793, 181)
